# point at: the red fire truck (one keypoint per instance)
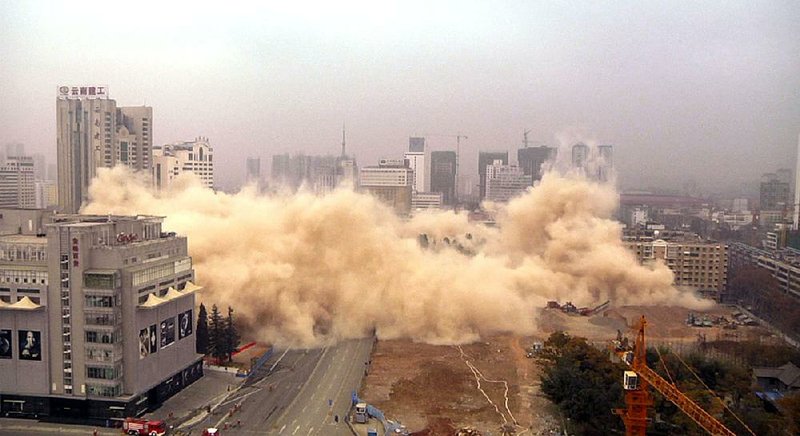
(144, 427)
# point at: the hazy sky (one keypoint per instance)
(702, 90)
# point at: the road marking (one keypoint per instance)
(310, 430)
(295, 430)
(304, 408)
(277, 361)
(281, 430)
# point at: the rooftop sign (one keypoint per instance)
(83, 92)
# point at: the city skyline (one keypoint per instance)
(674, 85)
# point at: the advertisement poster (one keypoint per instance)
(6, 344)
(184, 324)
(167, 332)
(29, 345)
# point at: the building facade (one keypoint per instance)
(580, 157)
(783, 265)
(92, 133)
(253, 170)
(700, 265)
(96, 315)
(531, 159)
(391, 182)
(605, 162)
(443, 175)
(17, 183)
(504, 182)
(485, 159)
(193, 157)
(426, 200)
(416, 161)
(775, 193)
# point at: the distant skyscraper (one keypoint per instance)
(774, 193)
(253, 170)
(416, 145)
(580, 156)
(39, 166)
(416, 161)
(504, 182)
(486, 158)
(605, 162)
(531, 159)
(796, 206)
(172, 160)
(17, 183)
(93, 133)
(443, 175)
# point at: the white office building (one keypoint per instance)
(171, 160)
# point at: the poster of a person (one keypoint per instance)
(29, 345)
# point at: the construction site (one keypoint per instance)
(493, 386)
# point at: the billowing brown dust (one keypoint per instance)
(305, 269)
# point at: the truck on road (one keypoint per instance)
(143, 427)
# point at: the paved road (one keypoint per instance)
(302, 394)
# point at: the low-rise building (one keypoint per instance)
(783, 265)
(96, 315)
(697, 264)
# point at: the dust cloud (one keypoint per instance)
(304, 270)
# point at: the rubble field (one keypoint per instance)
(433, 389)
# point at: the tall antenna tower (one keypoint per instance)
(343, 141)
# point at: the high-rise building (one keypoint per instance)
(531, 159)
(443, 175)
(416, 145)
(17, 183)
(319, 174)
(391, 182)
(253, 170)
(504, 182)
(775, 192)
(580, 157)
(416, 161)
(96, 315)
(605, 162)
(39, 166)
(92, 132)
(46, 194)
(171, 160)
(485, 159)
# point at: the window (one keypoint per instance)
(98, 281)
(99, 301)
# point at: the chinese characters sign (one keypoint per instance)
(83, 92)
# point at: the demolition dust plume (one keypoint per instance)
(303, 269)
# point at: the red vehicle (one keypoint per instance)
(211, 432)
(144, 427)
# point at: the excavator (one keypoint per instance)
(638, 400)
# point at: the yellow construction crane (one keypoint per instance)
(637, 396)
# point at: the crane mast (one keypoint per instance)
(638, 399)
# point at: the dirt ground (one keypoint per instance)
(487, 385)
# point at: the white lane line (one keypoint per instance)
(281, 430)
(310, 430)
(295, 430)
(304, 408)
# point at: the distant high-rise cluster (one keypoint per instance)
(597, 164)
(775, 191)
(504, 182)
(23, 182)
(92, 133)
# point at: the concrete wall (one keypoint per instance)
(18, 375)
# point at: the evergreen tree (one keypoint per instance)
(231, 335)
(201, 341)
(216, 337)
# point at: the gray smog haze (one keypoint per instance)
(708, 91)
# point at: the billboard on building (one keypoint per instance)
(90, 92)
(167, 331)
(6, 344)
(185, 324)
(147, 341)
(30, 345)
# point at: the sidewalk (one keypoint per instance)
(192, 400)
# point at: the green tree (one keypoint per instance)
(231, 334)
(583, 382)
(216, 336)
(201, 340)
